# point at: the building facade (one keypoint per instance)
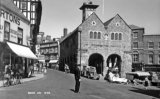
(32, 9)
(152, 49)
(137, 47)
(145, 49)
(50, 50)
(97, 44)
(14, 34)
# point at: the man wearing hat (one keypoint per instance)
(77, 78)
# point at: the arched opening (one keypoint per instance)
(114, 61)
(96, 60)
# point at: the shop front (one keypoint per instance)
(14, 38)
(14, 54)
(53, 64)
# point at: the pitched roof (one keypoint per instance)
(68, 35)
(107, 22)
(9, 5)
(135, 27)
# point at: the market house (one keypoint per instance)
(97, 44)
(14, 37)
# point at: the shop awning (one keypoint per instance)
(53, 61)
(143, 73)
(21, 51)
(139, 73)
(41, 60)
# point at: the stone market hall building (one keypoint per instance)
(97, 44)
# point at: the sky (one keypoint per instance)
(60, 14)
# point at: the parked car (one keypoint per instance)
(139, 76)
(89, 72)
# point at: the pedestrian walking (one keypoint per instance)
(146, 83)
(77, 78)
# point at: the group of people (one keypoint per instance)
(40, 67)
(13, 74)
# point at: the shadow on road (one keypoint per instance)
(149, 92)
(72, 90)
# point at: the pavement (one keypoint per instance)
(35, 76)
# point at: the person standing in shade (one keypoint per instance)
(146, 83)
(77, 78)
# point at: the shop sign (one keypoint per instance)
(41, 57)
(9, 16)
(54, 44)
(45, 45)
(13, 36)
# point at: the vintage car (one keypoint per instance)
(139, 76)
(89, 72)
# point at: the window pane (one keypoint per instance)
(33, 7)
(23, 5)
(99, 35)
(18, 4)
(112, 36)
(25, 13)
(91, 34)
(135, 57)
(116, 36)
(33, 15)
(150, 58)
(150, 45)
(6, 30)
(120, 36)
(29, 6)
(29, 15)
(20, 36)
(135, 44)
(95, 35)
(135, 34)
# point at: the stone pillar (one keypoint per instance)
(126, 64)
(104, 68)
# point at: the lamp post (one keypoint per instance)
(80, 31)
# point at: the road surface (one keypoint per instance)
(59, 85)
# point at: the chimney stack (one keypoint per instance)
(65, 32)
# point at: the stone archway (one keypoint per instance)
(96, 60)
(114, 61)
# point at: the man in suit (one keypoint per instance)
(77, 78)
